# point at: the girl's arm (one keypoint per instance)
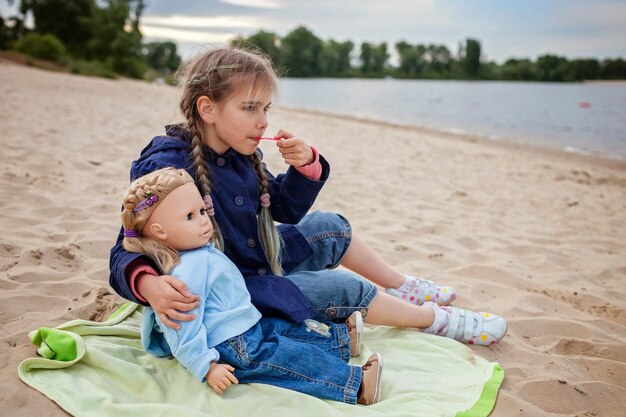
(168, 296)
(292, 194)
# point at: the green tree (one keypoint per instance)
(585, 69)
(381, 56)
(268, 42)
(162, 56)
(373, 59)
(439, 59)
(517, 69)
(116, 38)
(301, 53)
(470, 57)
(613, 69)
(335, 58)
(554, 68)
(69, 21)
(4, 34)
(46, 46)
(366, 58)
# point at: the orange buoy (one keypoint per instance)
(584, 104)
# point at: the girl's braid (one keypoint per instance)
(270, 238)
(202, 169)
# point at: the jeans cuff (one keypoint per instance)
(352, 385)
(347, 235)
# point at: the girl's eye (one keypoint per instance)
(267, 109)
(202, 212)
(189, 216)
(249, 108)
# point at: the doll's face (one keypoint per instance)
(180, 220)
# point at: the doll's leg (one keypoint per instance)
(264, 355)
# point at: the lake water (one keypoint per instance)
(585, 118)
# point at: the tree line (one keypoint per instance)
(302, 54)
(102, 37)
(92, 37)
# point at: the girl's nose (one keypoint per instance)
(204, 220)
(262, 123)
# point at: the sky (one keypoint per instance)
(505, 28)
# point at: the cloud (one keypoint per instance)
(188, 36)
(263, 4)
(180, 21)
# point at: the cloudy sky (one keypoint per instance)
(506, 28)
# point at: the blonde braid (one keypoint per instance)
(158, 183)
(271, 240)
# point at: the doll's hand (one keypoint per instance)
(168, 296)
(295, 151)
(220, 377)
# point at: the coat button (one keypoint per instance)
(251, 243)
(332, 312)
(262, 271)
(221, 162)
(239, 200)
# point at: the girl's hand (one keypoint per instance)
(168, 296)
(220, 377)
(295, 151)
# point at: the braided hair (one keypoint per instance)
(219, 74)
(158, 183)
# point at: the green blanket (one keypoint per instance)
(99, 369)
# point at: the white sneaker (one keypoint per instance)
(417, 291)
(467, 326)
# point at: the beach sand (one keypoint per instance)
(534, 235)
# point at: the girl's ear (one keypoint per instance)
(158, 232)
(206, 109)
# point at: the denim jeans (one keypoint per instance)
(292, 356)
(334, 293)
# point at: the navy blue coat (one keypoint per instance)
(235, 196)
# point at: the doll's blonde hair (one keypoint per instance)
(158, 183)
(219, 74)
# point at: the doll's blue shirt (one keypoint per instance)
(224, 311)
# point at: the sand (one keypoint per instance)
(537, 236)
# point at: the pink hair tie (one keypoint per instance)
(265, 200)
(210, 210)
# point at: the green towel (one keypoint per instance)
(100, 369)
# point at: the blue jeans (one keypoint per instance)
(335, 294)
(285, 354)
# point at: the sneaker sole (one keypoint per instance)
(359, 330)
(379, 375)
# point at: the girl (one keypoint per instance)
(226, 95)
(165, 218)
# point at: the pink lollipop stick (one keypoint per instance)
(260, 138)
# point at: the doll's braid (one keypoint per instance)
(158, 183)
